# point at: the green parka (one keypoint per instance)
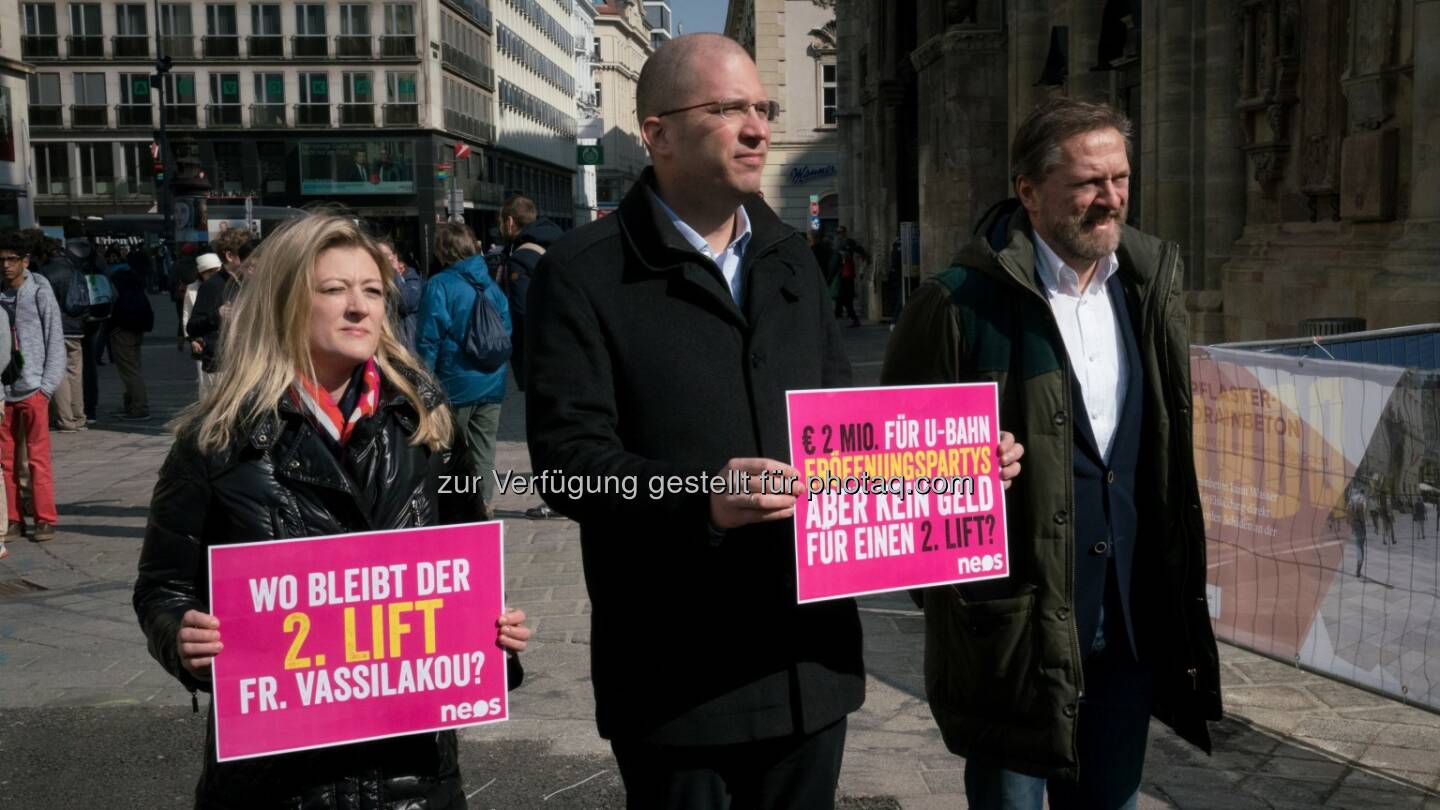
(1002, 658)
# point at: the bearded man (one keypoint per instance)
(1047, 680)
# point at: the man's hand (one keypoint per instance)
(199, 643)
(732, 510)
(1010, 453)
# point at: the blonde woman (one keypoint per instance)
(316, 378)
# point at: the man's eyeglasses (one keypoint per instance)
(733, 108)
(11, 259)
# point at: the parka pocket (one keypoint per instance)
(984, 652)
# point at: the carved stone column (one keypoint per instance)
(1425, 121)
(1224, 175)
(1270, 68)
(963, 84)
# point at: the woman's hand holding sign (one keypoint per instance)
(772, 497)
(199, 643)
(513, 632)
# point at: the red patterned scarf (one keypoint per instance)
(326, 414)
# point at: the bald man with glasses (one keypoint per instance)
(663, 339)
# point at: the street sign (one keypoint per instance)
(814, 223)
(590, 128)
(590, 154)
(457, 204)
(814, 206)
(462, 150)
(154, 151)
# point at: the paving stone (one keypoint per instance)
(1385, 757)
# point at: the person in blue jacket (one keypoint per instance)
(446, 309)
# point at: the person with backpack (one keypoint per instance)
(527, 236)
(405, 307)
(35, 317)
(131, 319)
(463, 335)
(68, 273)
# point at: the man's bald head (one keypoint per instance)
(669, 74)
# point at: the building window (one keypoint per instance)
(45, 89)
(828, 94)
(7, 128)
(40, 20)
(595, 49)
(180, 88)
(598, 97)
(228, 166)
(357, 88)
(220, 21)
(400, 19)
(90, 89)
(400, 87)
(138, 167)
(310, 20)
(269, 88)
(97, 168)
(85, 20)
(354, 20)
(52, 168)
(272, 165)
(131, 20)
(175, 20)
(224, 88)
(265, 20)
(314, 88)
(135, 88)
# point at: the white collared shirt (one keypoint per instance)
(727, 260)
(1092, 337)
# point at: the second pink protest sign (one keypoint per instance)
(902, 489)
(340, 639)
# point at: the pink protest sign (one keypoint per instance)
(902, 489)
(340, 639)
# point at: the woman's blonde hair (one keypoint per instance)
(265, 341)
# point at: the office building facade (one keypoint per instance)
(284, 103)
(793, 44)
(618, 52)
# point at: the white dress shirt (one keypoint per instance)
(1092, 337)
(727, 260)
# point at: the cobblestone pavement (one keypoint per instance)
(84, 710)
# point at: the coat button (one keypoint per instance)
(1110, 476)
(755, 360)
(1062, 613)
(1061, 517)
(294, 463)
(1069, 710)
(1100, 548)
(1059, 419)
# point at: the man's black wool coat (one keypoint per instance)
(642, 365)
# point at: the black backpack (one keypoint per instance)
(486, 341)
(16, 363)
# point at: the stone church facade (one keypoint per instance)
(1291, 147)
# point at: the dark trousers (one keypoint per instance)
(89, 372)
(845, 301)
(799, 771)
(1114, 723)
